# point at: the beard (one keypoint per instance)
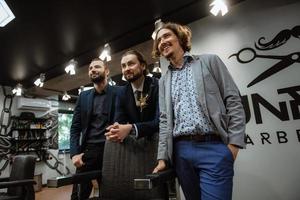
(134, 77)
(98, 79)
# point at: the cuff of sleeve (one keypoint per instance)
(134, 131)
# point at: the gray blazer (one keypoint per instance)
(219, 97)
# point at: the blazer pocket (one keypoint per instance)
(224, 121)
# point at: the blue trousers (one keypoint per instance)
(204, 170)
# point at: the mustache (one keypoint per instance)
(281, 38)
(98, 78)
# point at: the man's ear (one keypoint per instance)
(144, 67)
(107, 72)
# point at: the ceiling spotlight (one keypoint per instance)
(40, 81)
(156, 68)
(6, 14)
(218, 6)
(17, 90)
(158, 24)
(111, 82)
(105, 54)
(66, 97)
(70, 68)
(149, 74)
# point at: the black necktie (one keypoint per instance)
(138, 95)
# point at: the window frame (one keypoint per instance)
(63, 111)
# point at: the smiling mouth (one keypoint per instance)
(94, 75)
(166, 48)
(128, 75)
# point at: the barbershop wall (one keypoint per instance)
(4, 141)
(269, 167)
(41, 167)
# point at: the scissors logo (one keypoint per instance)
(284, 61)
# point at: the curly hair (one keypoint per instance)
(183, 34)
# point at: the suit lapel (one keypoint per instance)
(197, 72)
(147, 85)
(147, 90)
(90, 98)
(109, 100)
(168, 83)
(133, 109)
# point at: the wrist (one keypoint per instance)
(235, 146)
(133, 130)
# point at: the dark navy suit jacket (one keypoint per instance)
(147, 121)
(82, 116)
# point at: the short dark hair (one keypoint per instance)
(140, 57)
(183, 33)
(98, 59)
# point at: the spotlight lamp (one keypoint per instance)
(18, 90)
(156, 68)
(105, 54)
(6, 14)
(218, 6)
(40, 81)
(158, 24)
(66, 97)
(111, 82)
(70, 68)
(149, 74)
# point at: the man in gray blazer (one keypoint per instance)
(202, 120)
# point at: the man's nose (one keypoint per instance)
(162, 42)
(126, 68)
(163, 39)
(92, 69)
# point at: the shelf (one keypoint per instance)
(24, 151)
(30, 139)
(32, 120)
(29, 135)
(28, 129)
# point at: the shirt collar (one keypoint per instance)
(187, 57)
(104, 91)
(139, 88)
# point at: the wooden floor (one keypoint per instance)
(62, 193)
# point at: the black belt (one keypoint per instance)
(199, 138)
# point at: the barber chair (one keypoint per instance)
(74, 179)
(119, 174)
(20, 182)
(149, 182)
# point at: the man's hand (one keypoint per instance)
(234, 150)
(160, 166)
(110, 136)
(115, 125)
(77, 160)
(123, 131)
(118, 132)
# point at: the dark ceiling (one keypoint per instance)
(45, 35)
